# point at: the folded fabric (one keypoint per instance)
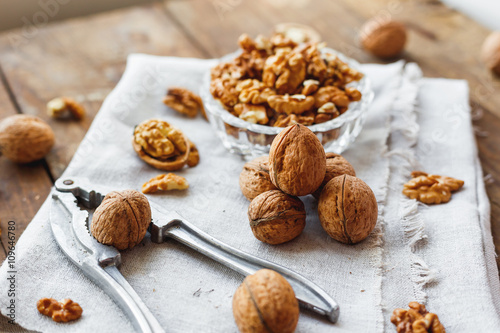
(441, 255)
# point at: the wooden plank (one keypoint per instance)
(442, 41)
(83, 58)
(23, 188)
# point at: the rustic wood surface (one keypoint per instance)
(85, 57)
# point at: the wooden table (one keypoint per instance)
(85, 58)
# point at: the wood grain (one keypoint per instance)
(23, 188)
(442, 41)
(83, 58)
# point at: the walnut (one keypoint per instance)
(295, 104)
(184, 101)
(255, 179)
(298, 33)
(336, 165)
(161, 145)
(265, 302)
(164, 182)
(347, 209)
(63, 311)
(297, 162)
(490, 52)
(416, 320)
(431, 189)
(382, 37)
(24, 139)
(224, 89)
(121, 220)
(255, 114)
(353, 94)
(276, 217)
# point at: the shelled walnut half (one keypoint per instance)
(416, 320)
(164, 146)
(166, 182)
(63, 311)
(431, 189)
(184, 101)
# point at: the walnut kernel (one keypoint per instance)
(161, 145)
(347, 209)
(265, 302)
(59, 106)
(63, 311)
(121, 220)
(24, 139)
(276, 217)
(416, 320)
(297, 162)
(184, 101)
(431, 189)
(164, 182)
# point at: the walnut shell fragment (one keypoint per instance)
(297, 161)
(161, 145)
(384, 38)
(24, 139)
(276, 217)
(347, 209)
(255, 179)
(336, 165)
(265, 302)
(121, 220)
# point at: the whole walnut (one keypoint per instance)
(24, 139)
(490, 52)
(336, 165)
(121, 220)
(347, 209)
(383, 38)
(297, 161)
(276, 217)
(265, 303)
(255, 179)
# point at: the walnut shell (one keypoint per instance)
(383, 38)
(121, 220)
(24, 139)
(347, 209)
(255, 179)
(276, 217)
(297, 161)
(490, 52)
(265, 302)
(336, 165)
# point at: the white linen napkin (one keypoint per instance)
(441, 255)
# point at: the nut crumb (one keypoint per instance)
(60, 106)
(431, 189)
(165, 182)
(63, 311)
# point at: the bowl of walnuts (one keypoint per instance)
(270, 83)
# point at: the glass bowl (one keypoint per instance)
(244, 138)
